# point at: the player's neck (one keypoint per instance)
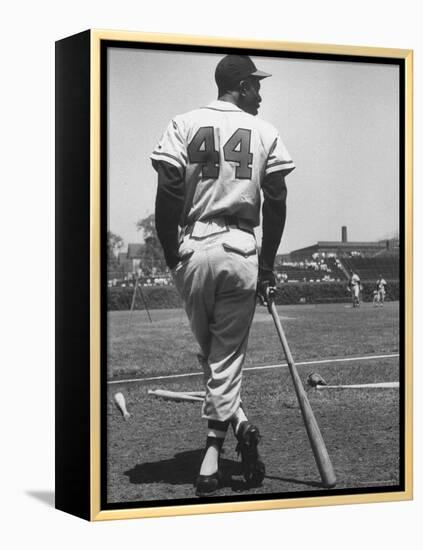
(229, 98)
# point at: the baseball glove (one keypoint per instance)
(314, 379)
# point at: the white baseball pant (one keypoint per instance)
(217, 280)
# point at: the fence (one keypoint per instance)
(166, 297)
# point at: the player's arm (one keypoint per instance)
(169, 160)
(274, 216)
(169, 207)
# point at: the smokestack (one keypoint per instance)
(344, 234)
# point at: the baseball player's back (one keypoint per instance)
(224, 153)
(212, 164)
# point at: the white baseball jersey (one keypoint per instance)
(355, 280)
(381, 283)
(223, 154)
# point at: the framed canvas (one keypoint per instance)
(325, 364)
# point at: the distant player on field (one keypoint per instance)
(381, 290)
(355, 287)
(212, 165)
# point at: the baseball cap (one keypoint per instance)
(233, 68)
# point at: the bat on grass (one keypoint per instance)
(178, 396)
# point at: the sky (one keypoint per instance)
(338, 120)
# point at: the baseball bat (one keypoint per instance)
(121, 405)
(318, 446)
(175, 396)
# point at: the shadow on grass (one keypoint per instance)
(308, 483)
(178, 470)
(183, 469)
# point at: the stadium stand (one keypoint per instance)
(369, 269)
(313, 270)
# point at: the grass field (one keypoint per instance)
(156, 454)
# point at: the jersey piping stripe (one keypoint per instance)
(158, 153)
(278, 163)
(223, 110)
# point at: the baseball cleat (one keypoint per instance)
(208, 485)
(253, 467)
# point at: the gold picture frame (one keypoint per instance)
(80, 401)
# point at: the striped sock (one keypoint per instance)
(216, 434)
(217, 428)
(237, 418)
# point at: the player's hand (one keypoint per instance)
(266, 286)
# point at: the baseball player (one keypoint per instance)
(355, 286)
(213, 163)
(381, 291)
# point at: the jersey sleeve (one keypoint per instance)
(171, 147)
(279, 159)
